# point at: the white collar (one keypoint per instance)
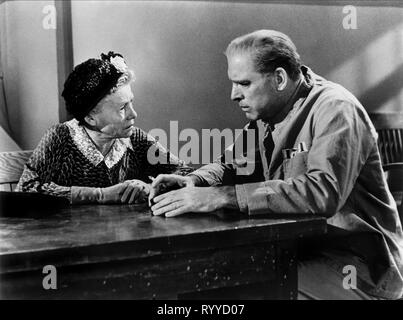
(91, 152)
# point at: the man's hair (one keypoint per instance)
(270, 49)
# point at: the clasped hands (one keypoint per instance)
(170, 195)
(188, 198)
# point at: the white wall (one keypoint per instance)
(30, 71)
(176, 50)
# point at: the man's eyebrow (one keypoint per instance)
(240, 81)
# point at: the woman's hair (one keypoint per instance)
(270, 49)
(124, 79)
(93, 80)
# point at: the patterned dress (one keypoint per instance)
(66, 157)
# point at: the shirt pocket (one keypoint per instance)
(295, 166)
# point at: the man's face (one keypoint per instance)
(115, 116)
(255, 92)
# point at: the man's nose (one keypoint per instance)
(132, 114)
(236, 94)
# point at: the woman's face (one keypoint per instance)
(115, 114)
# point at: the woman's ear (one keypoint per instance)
(281, 78)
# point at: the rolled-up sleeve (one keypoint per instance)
(241, 197)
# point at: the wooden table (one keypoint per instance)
(123, 252)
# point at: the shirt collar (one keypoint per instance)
(91, 152)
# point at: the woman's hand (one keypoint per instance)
(129, 191)
(136, 191)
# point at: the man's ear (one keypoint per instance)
(89, 118)
(281, 78)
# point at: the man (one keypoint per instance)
(316, 153)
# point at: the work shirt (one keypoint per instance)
(323, 159)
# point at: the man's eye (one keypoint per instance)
(244, 84)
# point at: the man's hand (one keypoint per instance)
(164, 182)
(194, 199)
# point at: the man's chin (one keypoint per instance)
(250, 116)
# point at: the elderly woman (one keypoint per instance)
(99, 156)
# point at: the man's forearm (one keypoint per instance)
(196, 180)
(212, 174)
(227, 197)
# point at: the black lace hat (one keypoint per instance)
(90, 81)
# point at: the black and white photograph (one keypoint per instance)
(200, 155)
